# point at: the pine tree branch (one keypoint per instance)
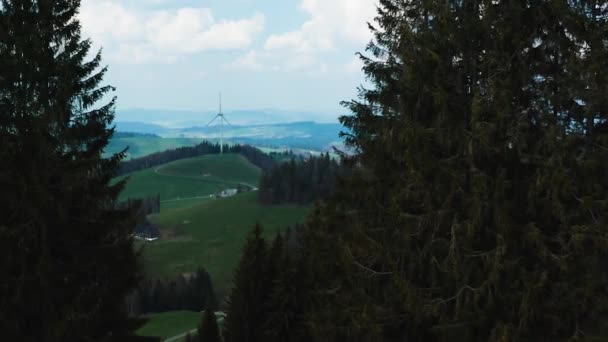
(457, 295)
(371, 271)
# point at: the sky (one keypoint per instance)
(291, 55)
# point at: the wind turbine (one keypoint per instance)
(222, 120)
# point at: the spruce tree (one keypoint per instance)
(68, 257)
(208, 330)
(247, 303)
(286, 303)
(477, 208)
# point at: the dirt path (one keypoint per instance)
(156, 170)
(177, 337)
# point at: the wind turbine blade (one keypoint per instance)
(210, 122)
(224, 118)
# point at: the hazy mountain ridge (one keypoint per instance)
(185, 118)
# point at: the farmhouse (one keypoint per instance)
(228, 192)
(147, 231)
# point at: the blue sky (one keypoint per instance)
(261, 54)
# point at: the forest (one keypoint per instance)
(474, 207)
(301, 182)
(193, 291)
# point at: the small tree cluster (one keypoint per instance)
(266, 303)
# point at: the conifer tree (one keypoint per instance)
(477, 209)
(286, 304)
(247, 303)
(208, 330)
(68, 260)
(275, 254)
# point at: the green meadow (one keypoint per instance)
(202, 231)
(211, 234)
(190, 178)
(169, 324)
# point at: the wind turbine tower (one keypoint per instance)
(223, 119)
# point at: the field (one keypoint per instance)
(199, 231)
(169, 324)
(211, 234)
(184, 179)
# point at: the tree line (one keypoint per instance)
(159, 158)
(146, 205)
(192, 292)
(302, 181)
(252, 154)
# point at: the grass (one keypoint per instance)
(228, 167)
(191, 177)
(182, 203)
(169, 324)
(211, 234)
(204, 232)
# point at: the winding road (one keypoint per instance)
(156, 170)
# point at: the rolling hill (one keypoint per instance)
(192, 179)
(199, 231)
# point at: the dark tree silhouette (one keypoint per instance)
(247, 303)
(208, 331)
(68, 259)
(477, 208)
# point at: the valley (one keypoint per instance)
(199, 229)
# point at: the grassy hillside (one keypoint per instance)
(141, 146)
(192, 177)
(169, 324)
(204, 232)
(211, 234)
(229, 167)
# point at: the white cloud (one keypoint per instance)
(255, 60)
(135, 35)
(249, 61)
(332, 25)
